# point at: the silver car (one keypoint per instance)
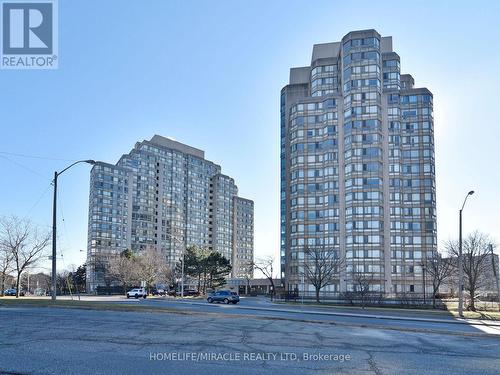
(225, 296)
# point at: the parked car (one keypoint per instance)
(159, 292)
(225, 296)
(12, 292)
(137, 293)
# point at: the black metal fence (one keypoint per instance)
(367, 299)
(109, 290)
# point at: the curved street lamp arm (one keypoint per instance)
(76, 162)
(465, 200)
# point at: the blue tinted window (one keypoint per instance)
(329, 103)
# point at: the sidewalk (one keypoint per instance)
(490, 316)
(450, 320)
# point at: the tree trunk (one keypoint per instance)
(3, 284)
(472, 305)
(204, 282)
(18, 282)
(434, 292)
(317, 295)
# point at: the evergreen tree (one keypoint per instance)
(218, 267)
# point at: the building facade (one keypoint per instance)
(242, 237)
(163, 195)
(357, 168)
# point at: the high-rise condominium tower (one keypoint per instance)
(357, 167)
(165, 195)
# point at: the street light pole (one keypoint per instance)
(182, 274)
(54, 231)
(303, 289)
(423, 282)
(182, 260)
(495, 273)
(460, 265)
(54, 223)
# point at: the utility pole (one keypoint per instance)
(303, 289)
(54, 224)
(495, 273)
(460, 265)
(272, 289)
(54, 234)
(182, 275)
(423, 282)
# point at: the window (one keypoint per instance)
(391, 75)
(365, 42)
(323, 69)
(427, 98)
(329, 103)
(368, 55)
(391, 63)
(411, 113)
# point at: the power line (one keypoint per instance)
(23, 166)
(32, 156)
(65, 232)
(63, 237)
(38, 200)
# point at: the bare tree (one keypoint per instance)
(41, 281)
(6, 266)
(475, 262)
(152, 267)
(165, 274)
(25, 242)
(125, 269)
(247, 269)
(361, 282)
(440, 269)
(63, 283)
(321, 267)
(265, 265)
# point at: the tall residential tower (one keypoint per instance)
(357, 167)
(165, 195)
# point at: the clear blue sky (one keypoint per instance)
(209, 73)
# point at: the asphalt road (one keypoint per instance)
(75, 341)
